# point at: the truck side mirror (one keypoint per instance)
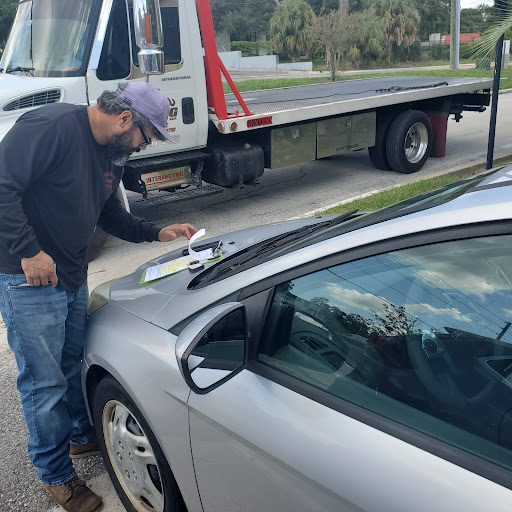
(149, 36)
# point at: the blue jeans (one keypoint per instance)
(45, 330)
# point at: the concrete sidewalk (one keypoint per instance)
(239, 75)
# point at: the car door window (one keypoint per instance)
(421, 336)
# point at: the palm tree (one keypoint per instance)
(491, 37)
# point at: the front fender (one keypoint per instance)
(141, 357)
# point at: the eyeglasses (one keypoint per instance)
(147, 140)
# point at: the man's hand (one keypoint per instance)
(175, 231)
(39, 270)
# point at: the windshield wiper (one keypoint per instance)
(340, 218)
(20, 68)
(291, 236)
(278, 241)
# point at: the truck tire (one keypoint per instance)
(409, 141)
(378, 152)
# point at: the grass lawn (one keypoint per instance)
(254, 85)
(395, 195)
(321, 66)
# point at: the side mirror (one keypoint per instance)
(213, 347)
(149, 36)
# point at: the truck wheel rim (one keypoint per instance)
(132, 458)
(416, 143)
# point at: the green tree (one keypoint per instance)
(434, 18)
(289, 28)
(357, 5)
(400, 23)
(502, 25)
(478, 19)
(7, 12)
(322, 6)
(364, 38)
(329, 32)
(243, 20)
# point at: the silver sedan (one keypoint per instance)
(353, 363)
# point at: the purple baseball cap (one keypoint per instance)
(149, 102)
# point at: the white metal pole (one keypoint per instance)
(457, 33)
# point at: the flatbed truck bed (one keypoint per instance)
(306, 102)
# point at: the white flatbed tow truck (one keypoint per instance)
(72, 51)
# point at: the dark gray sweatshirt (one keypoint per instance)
(56, 184)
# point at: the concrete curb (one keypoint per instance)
(471, 169)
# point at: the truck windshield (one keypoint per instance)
(51, 37)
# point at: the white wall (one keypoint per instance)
(260, 62)
(296, 66)
(231, 59)
(234, 60)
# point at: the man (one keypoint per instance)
(60, 166)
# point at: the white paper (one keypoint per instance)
(166, 269)
(171, 267)
(153, 273)
(207, 254)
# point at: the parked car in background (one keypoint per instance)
(360, 362)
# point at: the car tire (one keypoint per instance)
(143, 483)
(409, 141)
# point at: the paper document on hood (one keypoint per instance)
(201, 256)
(179, 264)
(166, 269)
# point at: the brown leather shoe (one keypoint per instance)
(74, 496)
(77, 451)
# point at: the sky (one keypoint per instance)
(473, 3)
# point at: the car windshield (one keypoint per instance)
(414, 204)
(51, 38)
(265, 251)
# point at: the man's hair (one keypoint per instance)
(111, 103)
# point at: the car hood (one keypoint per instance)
(147, 300)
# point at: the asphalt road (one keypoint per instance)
(281, 194)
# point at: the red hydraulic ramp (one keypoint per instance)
(213, 67)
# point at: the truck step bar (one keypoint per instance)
(181, 195)
(173, 159)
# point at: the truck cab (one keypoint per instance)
(72, 51)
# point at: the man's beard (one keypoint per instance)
(119, 148)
